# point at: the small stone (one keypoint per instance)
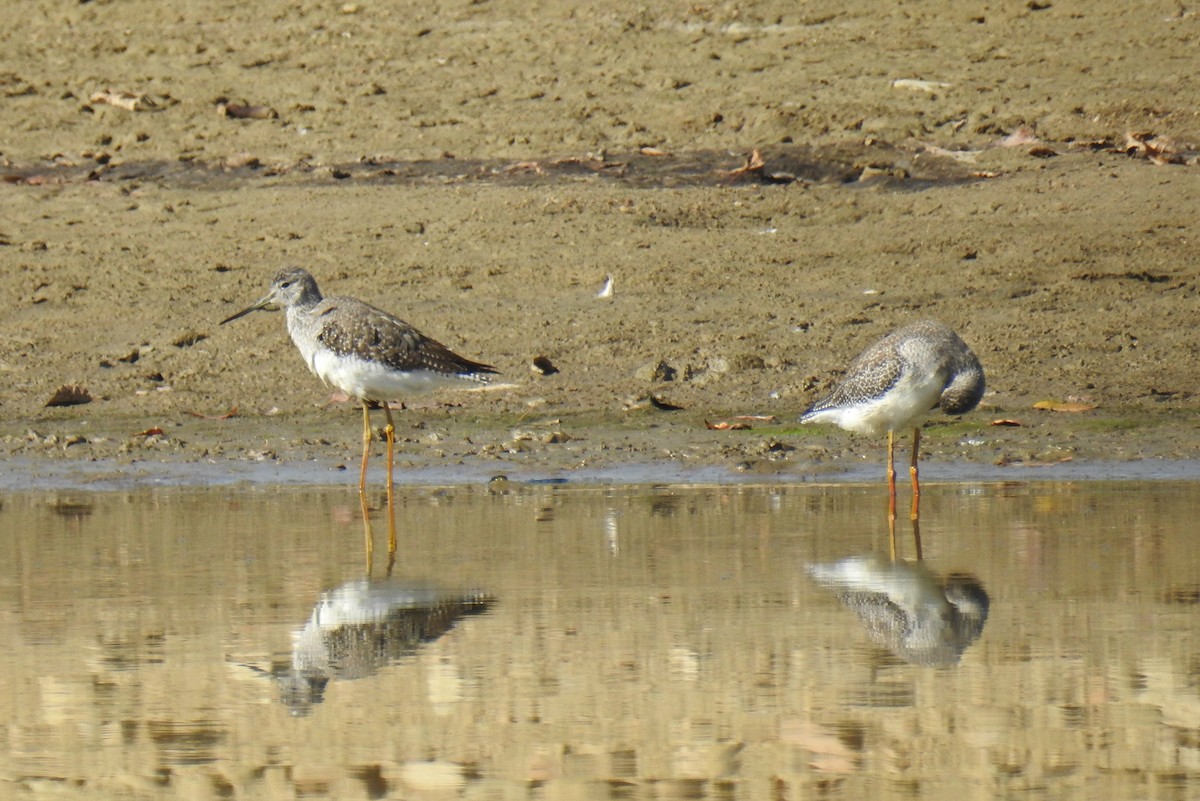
(655, 371)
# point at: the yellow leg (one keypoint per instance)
(390, 431)
(891, 474)
(362, 484)
(366, 440)
(916, 524)
(912, 474)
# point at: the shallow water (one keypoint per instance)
(551, 641)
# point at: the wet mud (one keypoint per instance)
(769, 189)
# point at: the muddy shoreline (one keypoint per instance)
(770, 189)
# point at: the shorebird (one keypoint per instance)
(896, 383)
(366, 353)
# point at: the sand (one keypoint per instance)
(771, 187)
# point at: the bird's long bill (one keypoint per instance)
(261, 304)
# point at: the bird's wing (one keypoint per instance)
(353, 328)
(869, 376)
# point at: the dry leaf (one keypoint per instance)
(30, 180)
(524, 166)
(241, 111)
(1157, 149)
(1064, 406)
(754, 163)
(1006, 423)
(126, 100)
(69, 395)
(151, 432)
(725, 425)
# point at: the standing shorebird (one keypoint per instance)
(896, 383)
(367, 353)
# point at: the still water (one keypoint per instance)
(561, 642)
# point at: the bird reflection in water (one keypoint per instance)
(364, 626)
(907, 608)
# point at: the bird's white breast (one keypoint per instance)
(904, 405)
(370, 380)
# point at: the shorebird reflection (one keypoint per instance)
(363, 626)
(907, 608)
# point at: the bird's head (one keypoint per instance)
(292, 287)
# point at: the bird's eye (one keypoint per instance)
(285, 284)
